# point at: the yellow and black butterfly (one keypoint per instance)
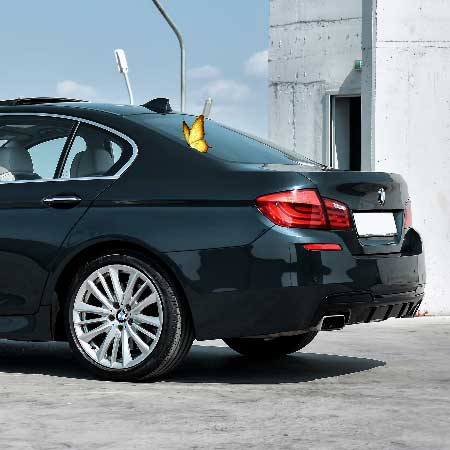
(195, 136)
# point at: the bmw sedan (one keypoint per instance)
(130, 231)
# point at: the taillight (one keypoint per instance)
(338, 215)
(407, 220)
(304, 209)
(294, 209)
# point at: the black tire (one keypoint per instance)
(177, 332)
(270, 348)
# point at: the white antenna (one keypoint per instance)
(122, 65)
(207, 107)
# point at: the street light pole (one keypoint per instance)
(183, 52)
(122, 65)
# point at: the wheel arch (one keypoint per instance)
(61, 283)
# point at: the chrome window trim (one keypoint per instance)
(117, 175)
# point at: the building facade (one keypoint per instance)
(365, 85)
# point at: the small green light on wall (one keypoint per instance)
(359, 65)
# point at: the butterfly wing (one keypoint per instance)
(197, 130)
(201, 146)
(186, 131)
(195, 136)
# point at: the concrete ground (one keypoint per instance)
(378, 386)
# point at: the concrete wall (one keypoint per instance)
(407, 89)
(405, 86)
(313, 46)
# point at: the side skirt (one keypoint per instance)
(36, 327)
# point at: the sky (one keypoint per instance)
(60, 48)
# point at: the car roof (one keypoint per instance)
(117, 109)
(110, 114)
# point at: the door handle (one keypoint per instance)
(62, 201)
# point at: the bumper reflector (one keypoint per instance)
(323, 247)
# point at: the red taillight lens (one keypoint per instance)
(294, 209)
(338, 215)
(304, 209)
(407, 220)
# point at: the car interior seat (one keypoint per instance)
(17, 160)
(91, 162)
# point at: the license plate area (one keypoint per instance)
(375, 224)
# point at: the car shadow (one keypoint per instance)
(207, 364)
(204, 364)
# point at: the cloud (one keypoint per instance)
(205, 72)
(69, 88)
(258, 64)
(241, 116)
(226, 90)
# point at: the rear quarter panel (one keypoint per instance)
(175, 199)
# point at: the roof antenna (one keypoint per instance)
(159, 105)
(122, 65)
(207, 107)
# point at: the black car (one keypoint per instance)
(117, 236)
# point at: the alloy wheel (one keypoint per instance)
(117, 316)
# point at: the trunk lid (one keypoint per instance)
(377, 193)
(362, 192)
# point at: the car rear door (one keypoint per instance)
(48, 179)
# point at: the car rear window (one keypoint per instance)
(227, 144)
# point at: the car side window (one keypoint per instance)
(95, 153)
(30, 147)
(45, 156)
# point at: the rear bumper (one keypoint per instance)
(364, 308)
(275, 286)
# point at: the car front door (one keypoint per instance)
(49, 175)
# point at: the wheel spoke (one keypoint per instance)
(87, 308)
(105, 286)
(87, 337)
(143, 347)
(115, 348)
(149, 320)
(144, 331)
(90, 321)
(114, 274)
(106, 344)
(138, 293)
(98, 295)
(150, 300)
(126, 355)
(129, 289)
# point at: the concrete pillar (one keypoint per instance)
(368, 84)
(406, 90)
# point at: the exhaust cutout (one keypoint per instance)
(333, 323)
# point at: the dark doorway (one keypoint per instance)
(346, 132)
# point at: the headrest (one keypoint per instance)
(91, 163)
(16, 160)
